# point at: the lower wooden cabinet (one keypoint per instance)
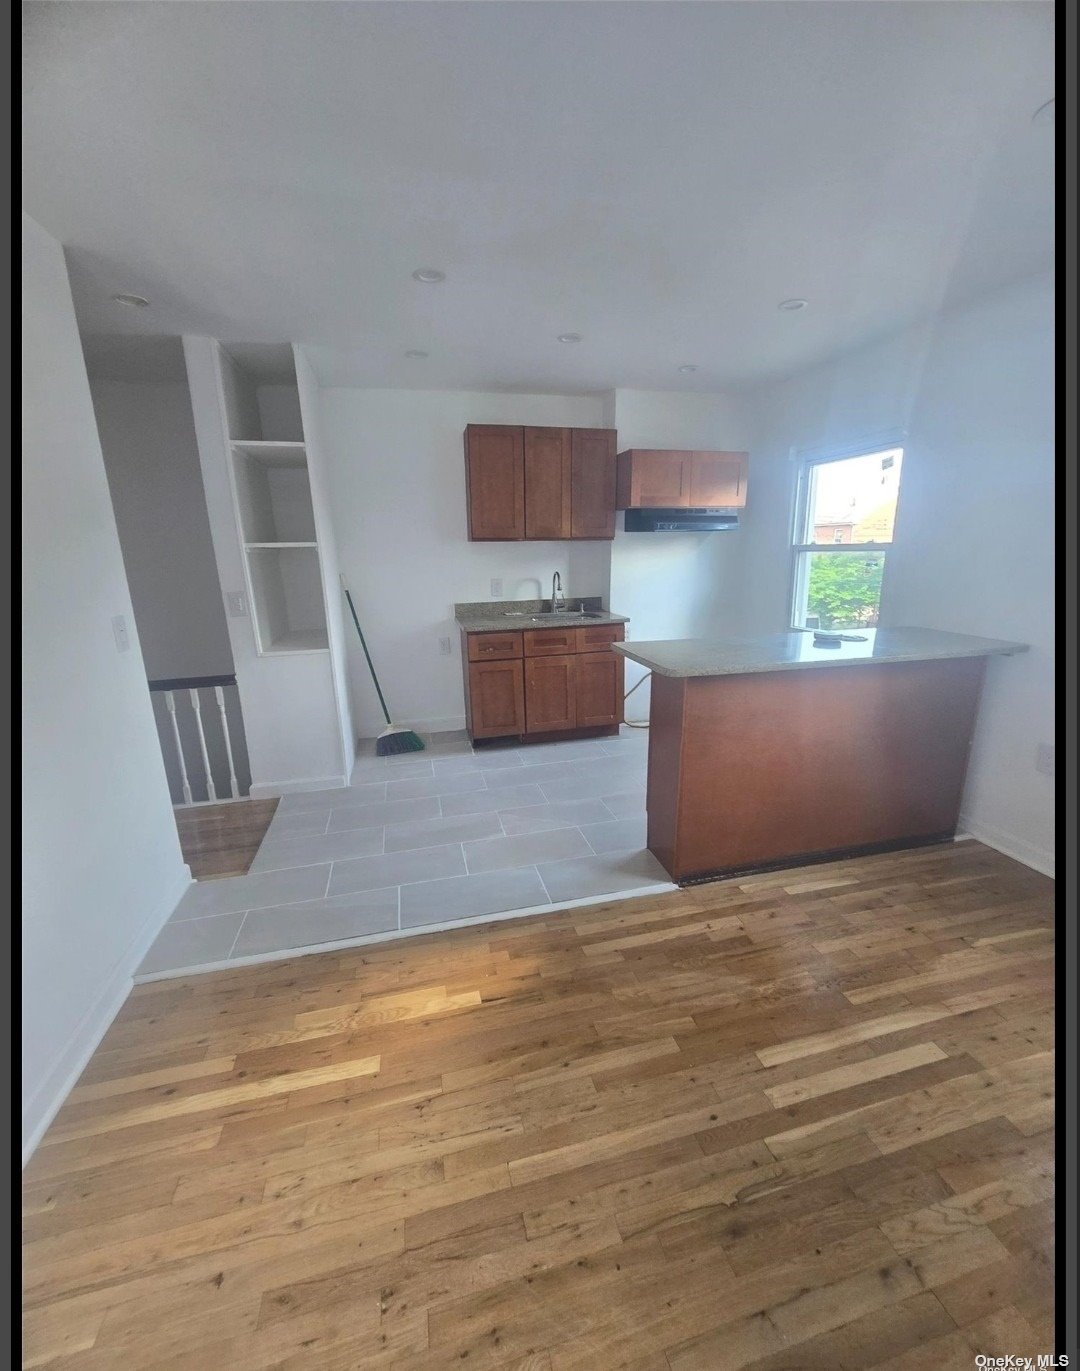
(549, 694)
(598, 688)
(556, 680)
(495, 699)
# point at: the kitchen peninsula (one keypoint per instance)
(774, 751)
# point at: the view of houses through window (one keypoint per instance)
(844, 526)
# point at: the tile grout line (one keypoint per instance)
(543, 883)
(236, 938)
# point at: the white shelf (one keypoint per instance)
(273, 493)
(298, 641)
(287, 598)
(271, 453)
(281, 544)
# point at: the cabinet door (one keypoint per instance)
(549, 693)
(652, 478)
(547, 482)
(718, 479)
(495, 482)
(598, 688)
(496, 699)
(592, 483)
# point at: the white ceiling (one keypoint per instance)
(653, 176)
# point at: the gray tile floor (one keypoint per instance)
(424, 840)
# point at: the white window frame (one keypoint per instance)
(801, 519)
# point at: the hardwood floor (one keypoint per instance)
(799, 1121)
(222, 840)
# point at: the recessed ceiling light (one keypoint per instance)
(415, 352)
(686, 368)
(135, 301)
(1045, 113)
(789, 306)
(569, 337)
(429, 275)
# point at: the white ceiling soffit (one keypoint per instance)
(655, 177)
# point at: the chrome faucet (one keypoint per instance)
(558, 599)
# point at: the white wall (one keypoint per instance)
(102, 868)
(674, 585)
(396, 469)
(152, 463)
(974, 532)
(309, 429)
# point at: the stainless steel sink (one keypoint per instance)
(571, 617)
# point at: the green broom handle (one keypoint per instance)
(367, 654)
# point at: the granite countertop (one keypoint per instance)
(503, 616)
(795, 650)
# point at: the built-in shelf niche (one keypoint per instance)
(272, 489)
(262, 401)
(287, 598)
(273, 493)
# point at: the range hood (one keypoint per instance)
(679, 520)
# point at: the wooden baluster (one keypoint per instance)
(211, 793)
(170, 705)
(233, 787)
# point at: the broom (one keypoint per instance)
(392, 739)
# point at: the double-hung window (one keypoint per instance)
(845, 511)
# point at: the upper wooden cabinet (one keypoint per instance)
(592, 483)
(495, 482)
(547, 482)
(539, 483)
(658, 478)
(718, 480)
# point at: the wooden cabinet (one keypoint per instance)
(650, 478)
(655, 478)
(495, 482)
(592, 483)
(547, 482)
(542, 681)
(495, 699)
(492, 647)
(718, 480)
(539, 483)
(549, 694)
(598, 688)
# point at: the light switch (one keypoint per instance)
(496, 588)
(120, 633)
(445, 648)
(234, 602)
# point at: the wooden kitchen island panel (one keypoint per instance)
(746, 771)
(774, 751)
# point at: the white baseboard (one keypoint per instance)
(43, 1105)
(270, 790)
(1008, 843)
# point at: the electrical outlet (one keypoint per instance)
(120, 633)
(445, 648)
(1044, 759)
(496, 588)
(234, 602)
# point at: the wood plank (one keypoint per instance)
(797, 1122)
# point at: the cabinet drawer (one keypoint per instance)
(599, 637)
(494, 647)
(550, 642)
